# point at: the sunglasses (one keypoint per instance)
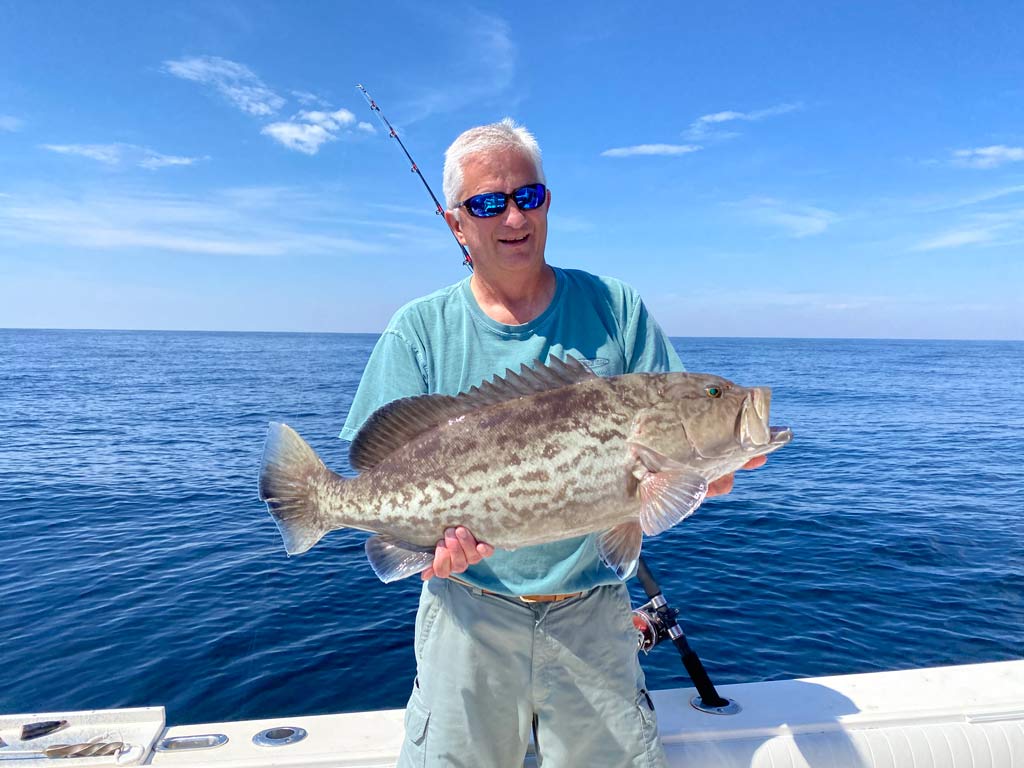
(489, 204)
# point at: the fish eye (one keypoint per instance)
(713, 391)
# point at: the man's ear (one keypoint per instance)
(456, 226)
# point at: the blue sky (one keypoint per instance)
(755, 169)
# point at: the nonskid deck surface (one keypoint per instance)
(970, 715)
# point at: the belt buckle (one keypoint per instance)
(549, 598)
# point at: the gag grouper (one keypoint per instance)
(548, 453)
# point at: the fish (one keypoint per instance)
(550, 452)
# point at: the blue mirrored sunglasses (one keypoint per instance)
(489, 204)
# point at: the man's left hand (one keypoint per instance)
(458, 550)
(723, 485)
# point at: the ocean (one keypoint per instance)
(138, 567)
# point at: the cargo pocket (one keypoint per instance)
(653, 752)
(414, 747)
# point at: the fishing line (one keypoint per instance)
(439, 209)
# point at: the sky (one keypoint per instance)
(753, 169)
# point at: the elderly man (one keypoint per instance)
(541, 638)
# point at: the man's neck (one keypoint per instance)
(514, 299)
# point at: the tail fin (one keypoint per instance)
(290, 480)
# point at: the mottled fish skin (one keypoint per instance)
(539, 467)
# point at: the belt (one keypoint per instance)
(524, 598)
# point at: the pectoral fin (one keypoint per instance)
(669, 491)
(619, 547)
(393, 559)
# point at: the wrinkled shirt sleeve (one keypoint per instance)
(648, 349)
(393, 371)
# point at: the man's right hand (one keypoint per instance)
(458, 550)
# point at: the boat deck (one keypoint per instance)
(946, 717)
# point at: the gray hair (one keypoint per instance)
(484, 138)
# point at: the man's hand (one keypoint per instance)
(458, 550)
(723, 485)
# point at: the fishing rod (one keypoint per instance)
(439, 209)
(656, 620)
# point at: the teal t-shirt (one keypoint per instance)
(444, 343)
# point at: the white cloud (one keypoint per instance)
(329, 121)
(116, 154)
(479, 38)
(262, 222)
(10, 124)
(307, 131)
(301, 137)
(799, 221)
(990, 228)
(155, 160)
(988, 157)
(702, 126)
(366, 127)
(651, 149)
(306, 98)
(236, 82)
(956, 239)
(932, 206)
(109, 154)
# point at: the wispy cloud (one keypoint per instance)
(236, 82)
(956, 239)
(988, 157)
(797, 221)
(986, 228)
(265, 222)
(307, 131)
(10, 123)
(651, 149)
(305, 98)
(104, 153)
(706, 125)
(968, 201)
(481, 38)
(117, 154)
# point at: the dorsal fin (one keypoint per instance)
(401, 421)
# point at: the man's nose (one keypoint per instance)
(513, 216)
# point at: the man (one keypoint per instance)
(541, 638)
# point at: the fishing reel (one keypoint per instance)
(653, 621)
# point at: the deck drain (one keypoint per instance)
(180, 743)
(278, 737)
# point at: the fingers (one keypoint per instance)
(754, 463)
(720, 486)
(723, 485)
(458, 550)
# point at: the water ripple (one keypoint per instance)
(139, 567)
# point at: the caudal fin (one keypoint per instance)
(290, 480)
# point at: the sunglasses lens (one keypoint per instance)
(486, 205)
(530, 196)
(494, 203)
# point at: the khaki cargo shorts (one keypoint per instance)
(493, 669)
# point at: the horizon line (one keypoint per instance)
(378, 333)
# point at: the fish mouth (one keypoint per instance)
(779, 436)
(753, 431)
(752, 423)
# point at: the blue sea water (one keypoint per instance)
(138, 567)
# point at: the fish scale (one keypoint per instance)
(550, 453)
